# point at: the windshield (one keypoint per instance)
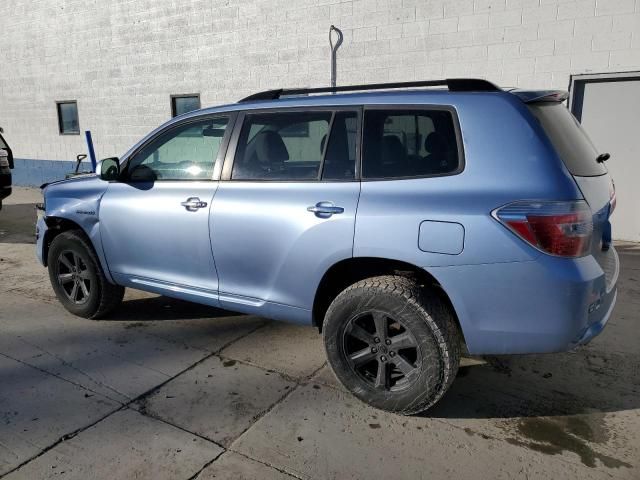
(569, 139)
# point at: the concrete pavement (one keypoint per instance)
(168, 389)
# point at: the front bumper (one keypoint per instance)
(41, 231)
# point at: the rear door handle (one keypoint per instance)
(325, 209)
(193, 203)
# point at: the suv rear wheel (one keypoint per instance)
(391, 345)
(77, 277)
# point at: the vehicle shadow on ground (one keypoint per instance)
(18, 223)
(585, 382)
(161, 308)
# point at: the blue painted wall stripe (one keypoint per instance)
(28, 172)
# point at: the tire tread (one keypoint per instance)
(110, 295)
(435, 312)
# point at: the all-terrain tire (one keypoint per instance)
(422, 318)
(72, 262)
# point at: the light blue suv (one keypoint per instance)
(410, 225)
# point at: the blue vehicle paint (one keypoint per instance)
(256, 247)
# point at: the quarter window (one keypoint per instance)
(186, 152)
(68, 123)
(409, 143)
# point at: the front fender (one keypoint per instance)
(77, 202)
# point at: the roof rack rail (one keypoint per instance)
(453, 84)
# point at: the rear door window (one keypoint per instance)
(340, 153)
(409, 143)
(569, 139)
(297, 145)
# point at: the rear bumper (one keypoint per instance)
(545, 305)
(595, 329)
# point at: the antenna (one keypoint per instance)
(334, 51)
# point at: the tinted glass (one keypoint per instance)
(569, 139)
(2, 142)
(185, 104)
(281, 146)
(340, 155)
(409, 143)
(188, 152)
(68, 117)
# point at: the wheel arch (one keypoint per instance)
(351, 270)
(58, 224)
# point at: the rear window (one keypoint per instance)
(569, 139)
(409, 143)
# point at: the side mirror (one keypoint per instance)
(109, 169)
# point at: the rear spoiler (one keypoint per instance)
(531, 96)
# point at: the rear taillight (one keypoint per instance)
(557, 228)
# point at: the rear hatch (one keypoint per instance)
(587, 167)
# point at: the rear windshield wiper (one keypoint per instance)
(603, 157)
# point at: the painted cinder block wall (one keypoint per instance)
(121, 60)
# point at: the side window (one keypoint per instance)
(281, 146)
(187, 152)
(409, 143)
(340, 156)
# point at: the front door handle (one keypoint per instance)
(325, 209)
(193, 203)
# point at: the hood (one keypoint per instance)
(75, 178)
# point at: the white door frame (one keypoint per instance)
(577, 83)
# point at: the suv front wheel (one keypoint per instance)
(77, 278)
(391, 345)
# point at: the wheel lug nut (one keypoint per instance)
(387, 341)
(392, 354)
(383, 358)
(374, 350)
(377, 340)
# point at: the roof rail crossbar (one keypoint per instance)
(453, 84)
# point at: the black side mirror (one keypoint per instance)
(109, 169)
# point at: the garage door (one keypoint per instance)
(608, 106)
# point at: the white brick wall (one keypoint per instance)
(122, 59)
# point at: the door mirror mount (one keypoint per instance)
(109, 169)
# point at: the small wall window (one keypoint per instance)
(68, 123)
(184, 103)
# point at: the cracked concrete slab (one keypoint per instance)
(37, 409)
(294, 350)
(232, 466)
(217, 399)
(27, 276)
(85, 352)
(126, 445)
(321, 432)
(121, 359)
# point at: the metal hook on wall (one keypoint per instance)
(334, 50)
